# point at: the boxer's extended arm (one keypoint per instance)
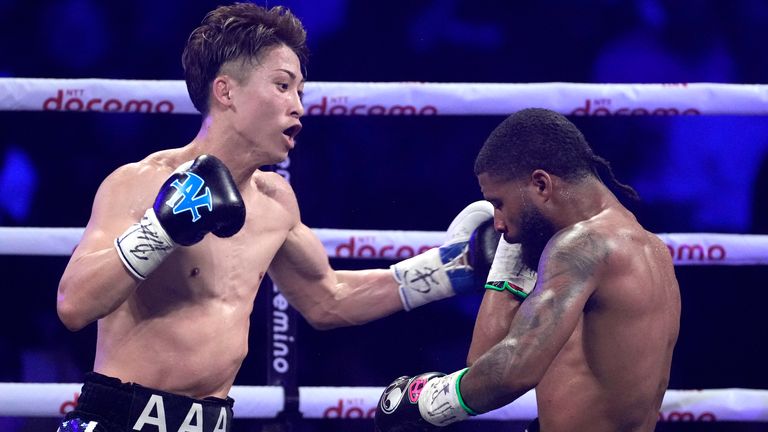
(330, 299)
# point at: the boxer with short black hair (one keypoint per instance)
(172, 302)
(595, 335)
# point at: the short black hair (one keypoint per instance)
(538, 138)
(238, 32)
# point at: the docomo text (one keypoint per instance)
(687, 416)
(342, 107)
(604, 107)
(367, 247)
(73, 100)
(349, 409)
(697, 252)
(69, 405)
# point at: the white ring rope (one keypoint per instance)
(402, 98)
(54, 400)
(686, 249)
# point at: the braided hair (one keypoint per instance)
(537, 138)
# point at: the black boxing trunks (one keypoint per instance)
(107, 404)
(533, 426)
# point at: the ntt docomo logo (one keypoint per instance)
(687, 416)
(697, 252)
(69, 405)
(74, 100)
(349, 410)
(366, 247)
(602, 107)
(341, 106)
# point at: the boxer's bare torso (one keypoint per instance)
(596, 335)
(185, 328)
(612, 372)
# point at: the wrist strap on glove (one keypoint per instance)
(144, 245)
(433, 275)
(508, 273)
(440, 402)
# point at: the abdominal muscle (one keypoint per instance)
(185, 329)
(196, 354)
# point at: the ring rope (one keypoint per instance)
(54, 400)
(402, 98)
(685, 248)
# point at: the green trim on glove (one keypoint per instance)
(469, 410)
(506, 286)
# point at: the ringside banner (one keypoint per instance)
(54, 400)
(402, 98)
(685, 248)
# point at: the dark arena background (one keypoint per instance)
(704, 174)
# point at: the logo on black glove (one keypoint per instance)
(415, 388)
(393, 395)
(186, 197)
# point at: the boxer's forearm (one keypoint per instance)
(494, 317)
(93, 285)
(356, 297)
(328, 298)
(493, 381)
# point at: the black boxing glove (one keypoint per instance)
(483, 245)
(421, 403)
(198, 198)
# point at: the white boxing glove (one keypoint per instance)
(451, 268)
(508, 273)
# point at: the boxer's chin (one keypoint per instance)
(535, 232)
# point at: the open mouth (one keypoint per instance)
(292, 131)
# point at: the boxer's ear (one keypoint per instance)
(542, 184)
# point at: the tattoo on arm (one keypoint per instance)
(563, 281)
(579, 259)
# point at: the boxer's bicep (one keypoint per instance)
(301, 267)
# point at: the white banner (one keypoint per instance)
(372, 244)
(713, 249)
(39, 241)
(715, 405)
(261, 401)
(402, 98)
(685, 249)
(102, 95)
(55, 400)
